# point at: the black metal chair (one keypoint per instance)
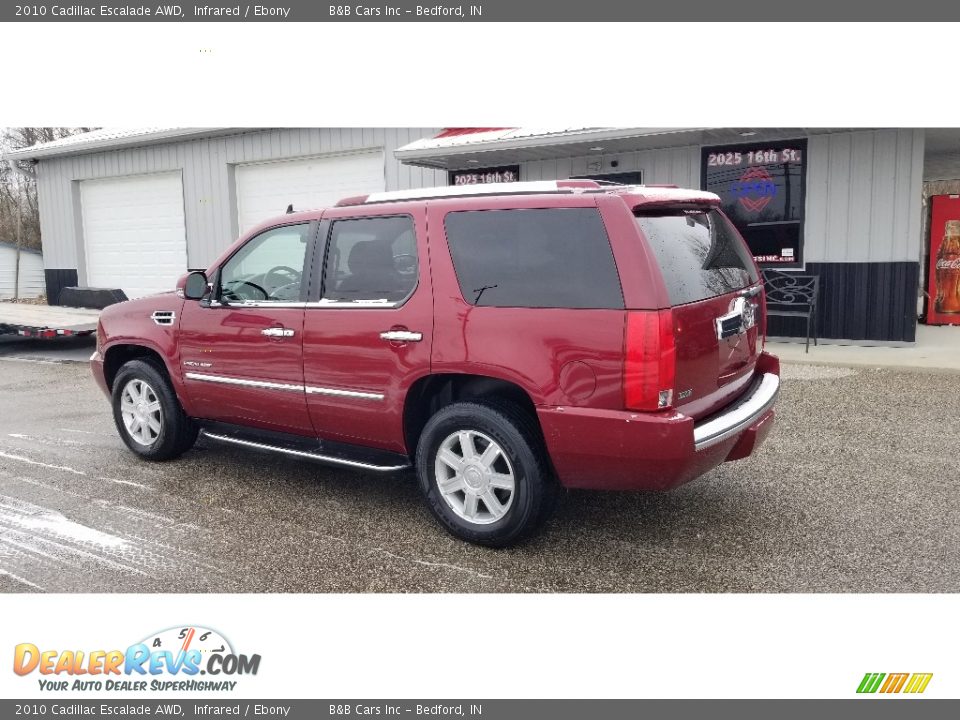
(791, 295)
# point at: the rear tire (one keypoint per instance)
(483, 471)
(148, 414)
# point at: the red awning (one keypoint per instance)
(456, 132)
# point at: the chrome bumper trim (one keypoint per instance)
(751, 407)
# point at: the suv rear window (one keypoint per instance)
(549, 258)
(700, 254)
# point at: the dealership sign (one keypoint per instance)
(503, 174)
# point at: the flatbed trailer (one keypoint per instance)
(46, 321)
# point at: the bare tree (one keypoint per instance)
(19, 206)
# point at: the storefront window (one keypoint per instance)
(761, 188)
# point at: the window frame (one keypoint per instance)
(216, 299)
(319, 266)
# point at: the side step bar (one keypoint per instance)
(380, 464)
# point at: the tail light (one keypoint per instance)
(651, 360)
(763, 319)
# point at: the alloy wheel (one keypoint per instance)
(475, 477)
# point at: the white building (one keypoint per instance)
(31, 272)
(134, 209)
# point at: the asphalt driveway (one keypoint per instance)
(856, 490)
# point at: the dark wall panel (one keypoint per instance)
(57, 280)
(860, 301)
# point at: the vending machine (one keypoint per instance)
(943, 286)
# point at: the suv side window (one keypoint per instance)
(268, 268)
(550, 258)
(371, 259)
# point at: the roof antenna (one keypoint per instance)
(289, 208)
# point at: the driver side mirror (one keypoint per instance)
(195, 286)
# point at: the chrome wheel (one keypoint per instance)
(141, 412)
(475, 477)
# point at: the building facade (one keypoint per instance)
(853, 214)
(135, 209)
(30, 283)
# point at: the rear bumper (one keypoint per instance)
(756, 402)
(618, 450)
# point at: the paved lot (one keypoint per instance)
(855, 491)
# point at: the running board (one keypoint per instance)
(373, 460)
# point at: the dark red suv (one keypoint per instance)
(502, 340)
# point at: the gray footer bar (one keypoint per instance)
(873, 707)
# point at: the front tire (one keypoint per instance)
(148, 414)
(483, 471)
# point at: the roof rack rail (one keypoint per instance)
(515, 188)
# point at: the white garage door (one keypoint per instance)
(134, 233)
(264, 190)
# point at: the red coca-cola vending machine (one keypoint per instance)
(943, 299)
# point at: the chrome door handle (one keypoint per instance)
(277, 332)
(401, 336)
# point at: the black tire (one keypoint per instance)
(519, 437)
(177, 433)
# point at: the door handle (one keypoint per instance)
(401, 336)
(277, 332)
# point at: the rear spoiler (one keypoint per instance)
(643, 199)
(674, 207)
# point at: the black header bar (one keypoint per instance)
(539, 11)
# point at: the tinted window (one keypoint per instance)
(700, 254)
(534, 258)
(371, 259)
(267, 268)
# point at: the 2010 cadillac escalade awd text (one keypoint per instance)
(502, 340)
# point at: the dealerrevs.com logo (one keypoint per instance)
(172, 659)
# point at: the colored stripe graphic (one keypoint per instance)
(918, 683)
(870, 682)
(894, 682)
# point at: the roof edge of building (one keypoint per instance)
(427, 148)
(102, 143)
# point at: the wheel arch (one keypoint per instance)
(119, 354)
(430, 393)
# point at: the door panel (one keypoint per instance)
(356, 379)
(241, 351)
(235, 373)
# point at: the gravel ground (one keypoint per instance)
(855, 491)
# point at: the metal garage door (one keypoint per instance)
(133, 232)
(264, 190)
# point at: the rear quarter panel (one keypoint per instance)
(559, 356)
